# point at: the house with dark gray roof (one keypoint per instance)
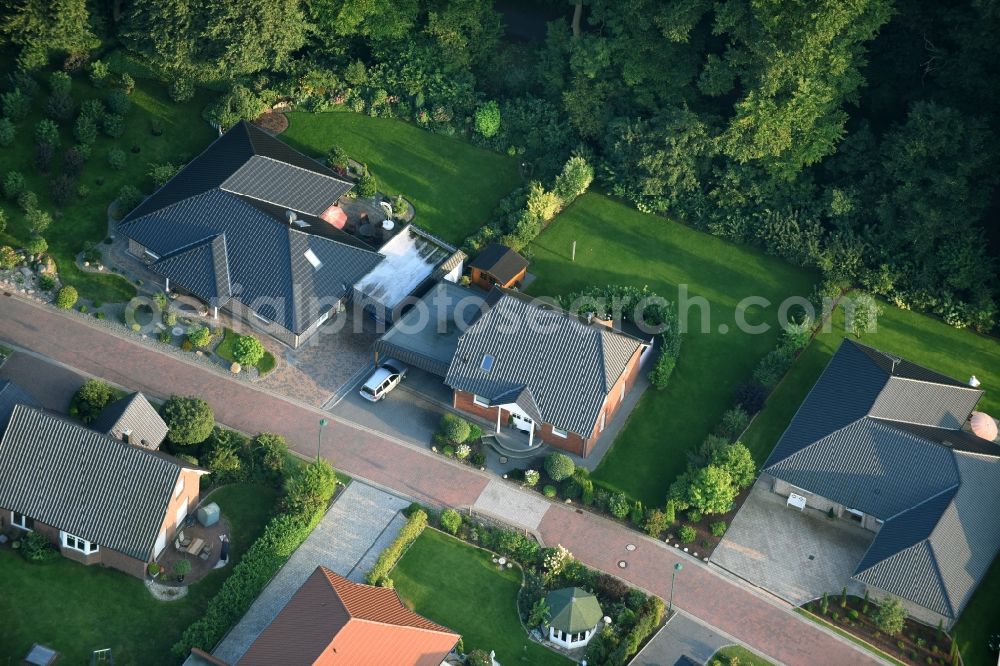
(132, 420)
(892, 446)
(98, 499)
(531, 365)
(243, 227)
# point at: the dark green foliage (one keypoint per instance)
(751, 397)
(113, 125)
(189, 419)
(91, 398)
(718, 528)
(13, 185)
(890, 616)
(36, 548)
(309, 488)
(488, 119)
(239, 104)
(559, 466)
(686, 534)
(47, 132)
(478, 658)
(450, 520)
(15, 104)
(66, 298)
(116, 158)
(413, 528)
(269, 452)
(7, 132)
(41, 29)
(366, 187)
(454, 428)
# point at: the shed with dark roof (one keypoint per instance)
(497, 266)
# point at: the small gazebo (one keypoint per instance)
(575, 616)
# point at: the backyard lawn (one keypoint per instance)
(456, 585)
(77, 609)
(453, 186)
(618, 245)
(85, 219)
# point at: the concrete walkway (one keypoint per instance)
(359, 525)
(517, 507)
(769, 627)
(683, 636)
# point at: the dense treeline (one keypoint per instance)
(856, 136)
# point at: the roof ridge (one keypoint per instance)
(124, 224)
(335, 241)
(267, 201)
(953, 487)
(816, 441)
(440, 630)
(956, 385)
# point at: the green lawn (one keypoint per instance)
(744, 657)
(453, 186)
(618, 245)
(184, 135)
(77, 609)
(980, 620)
(456, 585)
(225, 350)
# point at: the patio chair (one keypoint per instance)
(206, 552)
(181, 542)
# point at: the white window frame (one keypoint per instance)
(604, 421)
(78, 544)
(179, 488)
(621, 397)
(323, 317)
(152, 255)
(479, 401)
(23, 525)
(559, 432)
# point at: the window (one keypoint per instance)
(480, 402)
(76, 543)
(487, 363)
(21, 521)
(604, 420)
(313, 259)
(326, 315)
(559, 432)
(621, 397)
(180, 486)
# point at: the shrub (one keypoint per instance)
(113, 125)
(268, 453)
(549, 491)
(366, 187)
(200, 337)
(37, 548)
(478, 658)
(38, 220)
(890, 616)
(238, 104)
(63, 188)
(751, 396)
(248, 350)
(559, 466)
(13, 185)
(637, 514)
(448, 451)
(853, 614)
(309, 489)
(694, 515)
(164, 337)
(451, 520)
(7, 132)
(670, 514)
(73, 160)
(862, 314)
(711, 490)
(190, 420)
(618, 505)
(587, 493)
(118, 102)
(47, 132)
(656, 523)
(181, 89)
(116, 158)
(90, 399)
(462, 451)
(66, 298)
(128, 198)
(718, 528)
(670, 349)
(531, 478)
(15, 104)
(734, 422)
(161, 173)
(43, 157)
(93, 109)
(488, 119)
(574, 179)
(169, 318)
(59, 105)
(36, 246)
(686, 534)
(773, 367)
(824, 604)
(454, 428)
(98, 73)
(27, 200)
(610, 588)
(737, 460)
(337, 158)
(413, 528)
(46, 282)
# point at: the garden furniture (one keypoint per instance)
(195, 546)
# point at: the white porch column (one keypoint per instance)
(166, 287)
(531, 434)
(215, 312)
(498, 418)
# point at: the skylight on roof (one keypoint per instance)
(313, 259)
(487, 363)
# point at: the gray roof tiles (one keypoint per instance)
(567, 365)
(84, 482)
(286, 185)
(132, 414)
(884, 436)
(10, 395)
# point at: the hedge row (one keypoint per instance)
(282, 536)
(414, 527)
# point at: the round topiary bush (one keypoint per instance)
(559, 466)
(200, 337)
(686, 534)
(531, 477)
(549, 491)
(248, 350)
(454, 428)
(451, 520)
(66, 298)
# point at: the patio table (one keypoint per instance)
(195, 546)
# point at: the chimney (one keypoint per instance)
(126, 436)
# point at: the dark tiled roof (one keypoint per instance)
(84, 482)
(885, 436)
(566, 365)
(221, 243)
(499, 261)
(132, 414)
(10, 395)
(333, 620)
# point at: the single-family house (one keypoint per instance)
(575, 616)
(497, 266)
(244, 227)
(132, 420)
(98, 499)
(898, 449)
(545, 371)
(331, 620)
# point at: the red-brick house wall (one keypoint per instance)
(573, 442)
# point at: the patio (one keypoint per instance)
(796, 555)
(201, 546)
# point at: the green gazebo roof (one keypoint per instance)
(573, 610)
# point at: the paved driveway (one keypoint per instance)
(683, 636)
(796, 555)
(359, 525)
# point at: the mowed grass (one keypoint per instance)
(742, 656)
(619, 245)
(225, 350)
(457, 586)
(185, 134)
(931, 343)
(454, 186)
(76, 609)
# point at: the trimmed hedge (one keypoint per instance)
(413, 528)
(282, 536)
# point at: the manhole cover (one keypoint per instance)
(622, 564)
(812, 557)
(630, 547)
(178, 330)
(503, 460)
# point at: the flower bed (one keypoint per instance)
(917, 643)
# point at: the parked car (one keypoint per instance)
(385, 378)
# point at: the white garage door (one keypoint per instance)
(161, 543)
(182, 512)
